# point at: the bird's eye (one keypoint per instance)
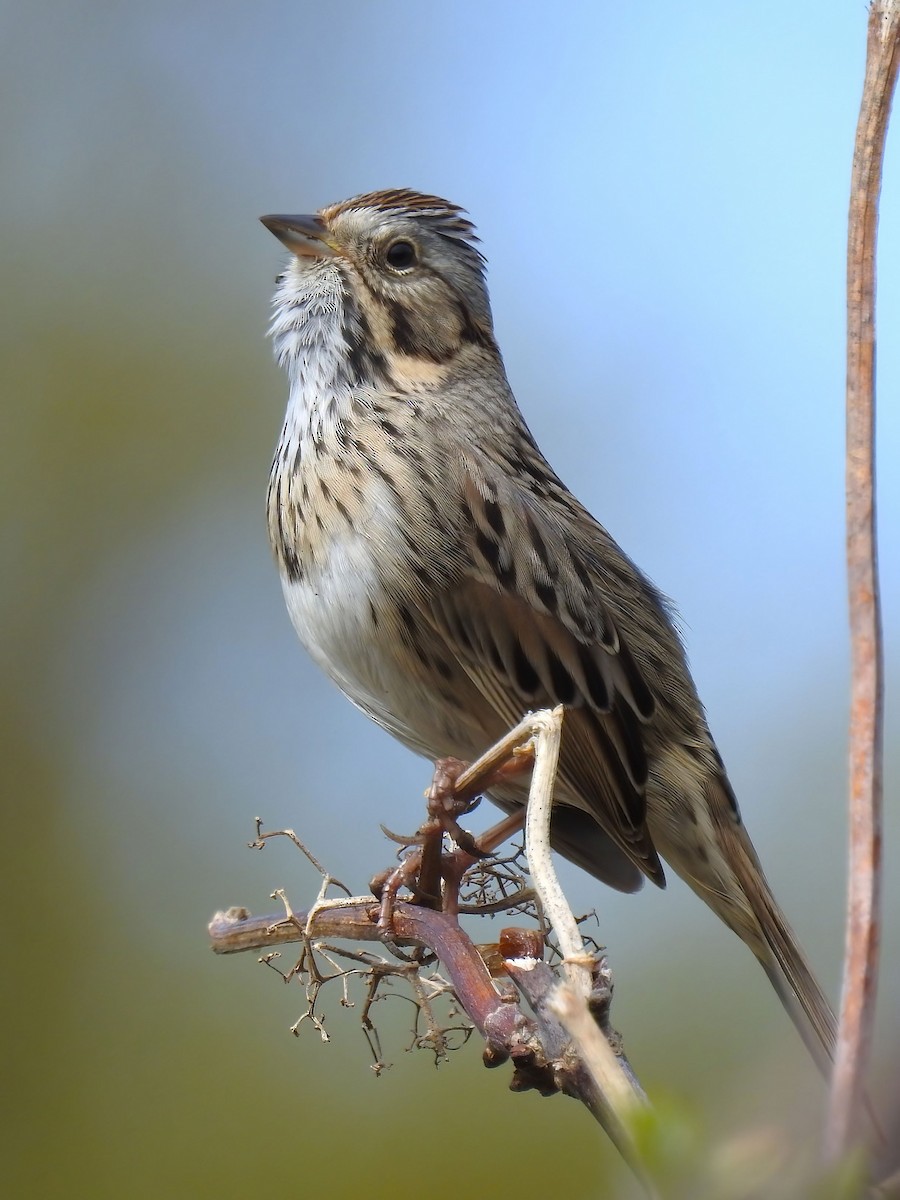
(400, 256)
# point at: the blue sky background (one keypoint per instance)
(661, 192)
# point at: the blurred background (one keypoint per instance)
(661, 192)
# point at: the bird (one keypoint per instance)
(439, 571)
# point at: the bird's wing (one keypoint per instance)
(528, 621)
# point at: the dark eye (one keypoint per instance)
(400, 256)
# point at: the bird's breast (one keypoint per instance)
(333, 604)
(351, 627)
(339, 551)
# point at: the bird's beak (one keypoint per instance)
(305, 236)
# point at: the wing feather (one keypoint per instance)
(529, 621)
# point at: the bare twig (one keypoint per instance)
(544, 1056)
(617, 1088)
(577, 964)
(611, 1092)
(862, 933)
(616, 1085)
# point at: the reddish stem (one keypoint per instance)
(866, 709)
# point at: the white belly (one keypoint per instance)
(331, 611)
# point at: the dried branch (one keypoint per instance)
(617, 1088)
(866, 712)
(548, 734)
(544, 1055)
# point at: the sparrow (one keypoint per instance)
(437, 568)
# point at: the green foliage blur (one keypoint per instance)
(152, 697)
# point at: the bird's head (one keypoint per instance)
(406, 268)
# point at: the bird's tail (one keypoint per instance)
(772, 940)
(796, 985)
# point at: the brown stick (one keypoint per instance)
(866, 710)
(543, 1057)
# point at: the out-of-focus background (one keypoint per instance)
(661, 193)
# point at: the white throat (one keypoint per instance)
(310, 340)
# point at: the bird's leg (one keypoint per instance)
(455, 865)
(447, 801)
(421, 870)
(386, 887)
(426, 869)
(470, 850)
(445, 805)
(498, 834)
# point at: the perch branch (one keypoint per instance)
(545, 1056)
(547, 728)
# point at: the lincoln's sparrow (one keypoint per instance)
(440, 572)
